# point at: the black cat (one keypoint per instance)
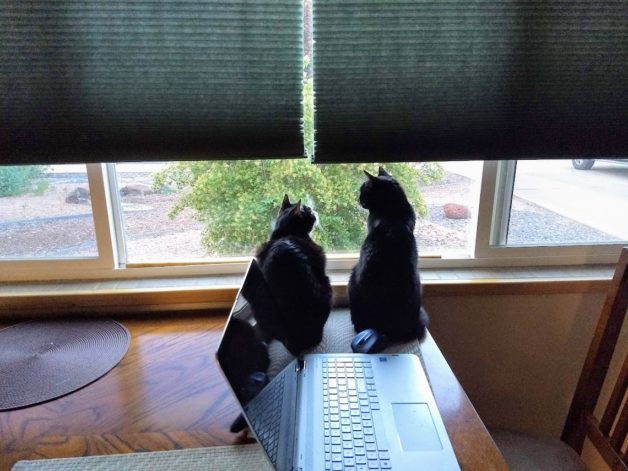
(293, 266)
(384, 287)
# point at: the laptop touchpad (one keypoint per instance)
(416, 428)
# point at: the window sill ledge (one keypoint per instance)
(19, 300)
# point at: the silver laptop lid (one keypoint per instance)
(243, 357)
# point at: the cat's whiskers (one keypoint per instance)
(309, 202)
(317, 223)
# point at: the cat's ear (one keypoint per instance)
(286, 202)
(383, 173)
(371, 177)
(297, 207)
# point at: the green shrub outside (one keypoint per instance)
(18, 179)
(237, 201)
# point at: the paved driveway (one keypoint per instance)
(596, 197)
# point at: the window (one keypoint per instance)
(580, 205)
(57, 221)
(150, 231)
(145, 219)
(549, 212)
(209, 210)
(46, 212)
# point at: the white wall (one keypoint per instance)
(519, 357)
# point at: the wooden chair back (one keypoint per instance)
(608, 434)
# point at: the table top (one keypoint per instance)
(167, 393)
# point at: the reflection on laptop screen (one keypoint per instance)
(243, 357)
(242, 353)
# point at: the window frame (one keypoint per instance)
(38, 269)
(496, 194)
(496, 190)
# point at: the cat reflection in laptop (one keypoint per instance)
(245, 360)
(384, 287)
(293, 267)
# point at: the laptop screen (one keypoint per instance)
(243, 356)
(242, 353)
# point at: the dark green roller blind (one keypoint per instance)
(458, 79)
(94, 80)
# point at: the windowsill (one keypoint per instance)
(22, 299)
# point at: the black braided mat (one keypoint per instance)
(42, 360)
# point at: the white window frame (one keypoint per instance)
(496, 191)
(36, 269)
(490, 250)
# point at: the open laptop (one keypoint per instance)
(331, 411)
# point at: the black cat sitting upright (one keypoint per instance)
(384, 287)
(293, 266)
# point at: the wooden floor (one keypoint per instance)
(167, 393)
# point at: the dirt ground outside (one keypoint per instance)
(51, 225)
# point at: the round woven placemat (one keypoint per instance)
(42, 360)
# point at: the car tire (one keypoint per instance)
(583, 164)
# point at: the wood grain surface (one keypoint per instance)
(167, 393)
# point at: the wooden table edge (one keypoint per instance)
(472, 443)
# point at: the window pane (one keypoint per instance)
(449, 226)
(46, 212)
(204, 210)
(152, 231)
(555, 202)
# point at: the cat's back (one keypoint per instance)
(291, 252)
(292, 261)
(385, 287)
(389, 245)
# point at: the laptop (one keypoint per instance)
(331, 411)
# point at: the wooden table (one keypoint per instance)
(167, 393)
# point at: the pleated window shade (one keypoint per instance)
(106, 80)
(470, 79)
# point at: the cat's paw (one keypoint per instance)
(238, 424)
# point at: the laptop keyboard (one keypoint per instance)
(265, 415)
(352, 415)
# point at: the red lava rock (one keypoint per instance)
(456, 211)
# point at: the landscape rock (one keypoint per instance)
(79, 195)
(456, 211)
(136, 190)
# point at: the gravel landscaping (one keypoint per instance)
(46, 226)
(529, 223)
